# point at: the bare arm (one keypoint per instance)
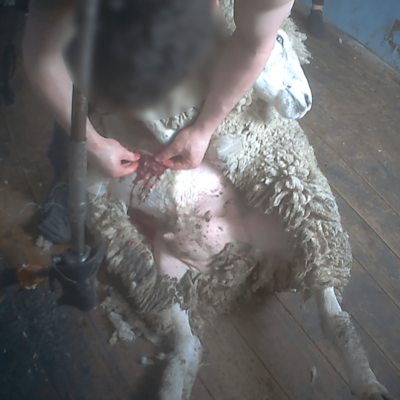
(49, 24)
(240, 65)
(257, 23)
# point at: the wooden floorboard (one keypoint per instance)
(371, 251)
(287, 352)
(232, 370)
(354, 131)
(63, 351)
(361, 197)
(375, 312)
(355, 154)
(364, 94)
(305, 316)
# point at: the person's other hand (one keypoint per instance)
(113, 159)
(187, 150)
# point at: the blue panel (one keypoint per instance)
(374, 23)
(396, 38)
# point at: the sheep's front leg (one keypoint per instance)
(183, 365)
(337, 327)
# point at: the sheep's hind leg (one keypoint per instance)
(338, 328)
(181, 371)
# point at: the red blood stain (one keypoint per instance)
(149, 168)
(146, 224)
(149, 171)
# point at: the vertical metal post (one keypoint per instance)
(77, 203)
(77, 172)
(76, 269)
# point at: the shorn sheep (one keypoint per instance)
(258, 213)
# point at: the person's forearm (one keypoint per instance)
(237, 70)
(50, 80)
(250, 46)
(53, 86)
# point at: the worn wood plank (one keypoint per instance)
(375, 311)
(371, 252)
(356, 155)
(231, 370)
(356, 117)
(286, 351)
(307, 318)
(366, 219)
(200, 391)
(63, 353)
(37, 336)
(123, 360)
(349, 63)
(349, 82)
(361, 197)
(374, 133)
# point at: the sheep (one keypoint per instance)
(268, 161)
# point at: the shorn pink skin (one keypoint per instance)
(197, 218)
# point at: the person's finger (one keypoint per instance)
(167, 163)
(181, 164)
(166, 154)
(129, 156)
(128, 169)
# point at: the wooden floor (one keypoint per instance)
(265, 350)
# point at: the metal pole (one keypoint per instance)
(77, 172)
(76, 269)
(77, 203)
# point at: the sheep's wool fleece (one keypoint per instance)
(269, 159)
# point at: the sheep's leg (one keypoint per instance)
(337, 327)
(183, 365)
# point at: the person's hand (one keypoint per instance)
(112, 158)
(187, 150)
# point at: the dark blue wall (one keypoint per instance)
(374, 23)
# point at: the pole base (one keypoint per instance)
(77, 277)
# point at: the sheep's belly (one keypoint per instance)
(190, 216)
